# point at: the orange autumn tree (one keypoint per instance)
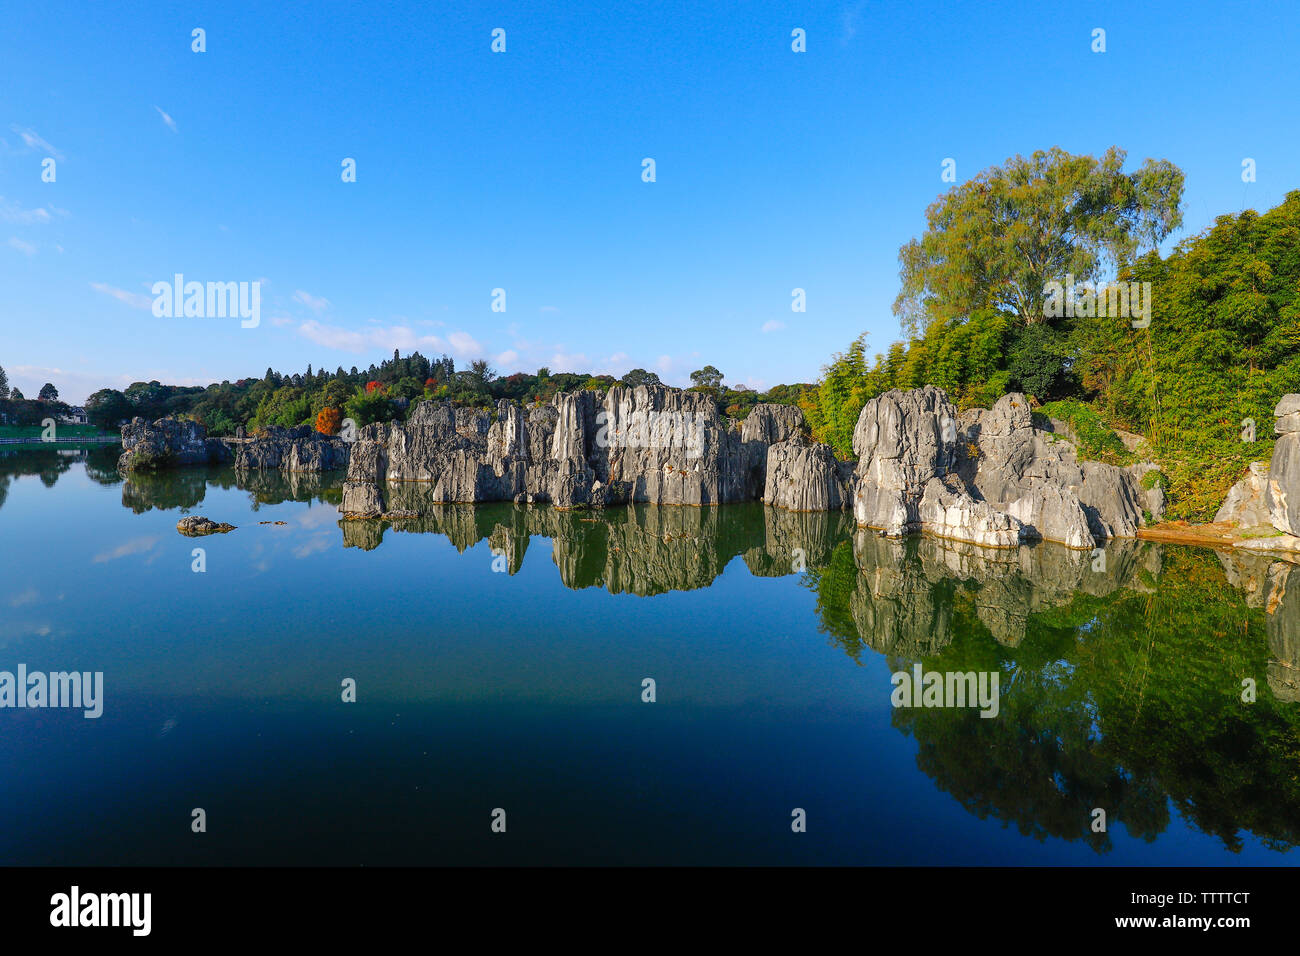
(329, 420)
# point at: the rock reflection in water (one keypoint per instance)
(186, 488)
(1122, 671)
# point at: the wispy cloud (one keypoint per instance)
(15, 213)
(850, 20)
(33, 140)
(772, 325)
(26, 248)
(379, 337)
(28, 596)
(136, 300)
(126, 549)
(171, 123)
(314, 545)
(317, 304)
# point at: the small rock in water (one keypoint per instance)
(196, 526)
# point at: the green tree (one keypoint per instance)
(107, 408)
(995, 241)
(48, 393)
(365, 408)
(639, 376)
(706, 379)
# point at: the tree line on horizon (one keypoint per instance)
(17, 409)
(384, 392)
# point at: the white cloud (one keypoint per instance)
(171, 123)
(26, 248)
(772, 325)
(135, 300)
(548, 308)
(315, 303)
(508, 357)
(313, 545)
(464, 344)
(569, 362)
(378, 337)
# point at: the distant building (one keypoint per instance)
(76, 415)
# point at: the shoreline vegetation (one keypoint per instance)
(1186, 382)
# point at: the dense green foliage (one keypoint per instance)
(1091, 436)
(1222, 345)
(993, 242)
(382, 392)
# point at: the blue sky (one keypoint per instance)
(522, 170)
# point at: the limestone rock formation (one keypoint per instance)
(902, 440)
(804, 476)
(948, 511)
(986, 463)
(1284, 471)
(1013, 460)
(168, 443)
(1247, 501)
(195, 526)
(648, 444)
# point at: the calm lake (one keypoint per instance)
(499, 654)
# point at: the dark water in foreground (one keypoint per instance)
(522, 689)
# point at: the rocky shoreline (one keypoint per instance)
(168, 443)
(986, 477)
(994, 478)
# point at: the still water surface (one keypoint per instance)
(771, 639)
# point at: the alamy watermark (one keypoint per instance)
(653, 429)
(920, 688)
(36, 689)
(212, 300)
(1116, 300)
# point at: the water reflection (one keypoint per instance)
(1141, 680)
(51, 461)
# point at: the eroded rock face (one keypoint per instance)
(1283, 497)
(985, 463)
(1038, 476)
(648, 444)
(948, 510)
(805, 476)
(300, 449)
(902, 440)
(1247, 501)
(168, 443)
